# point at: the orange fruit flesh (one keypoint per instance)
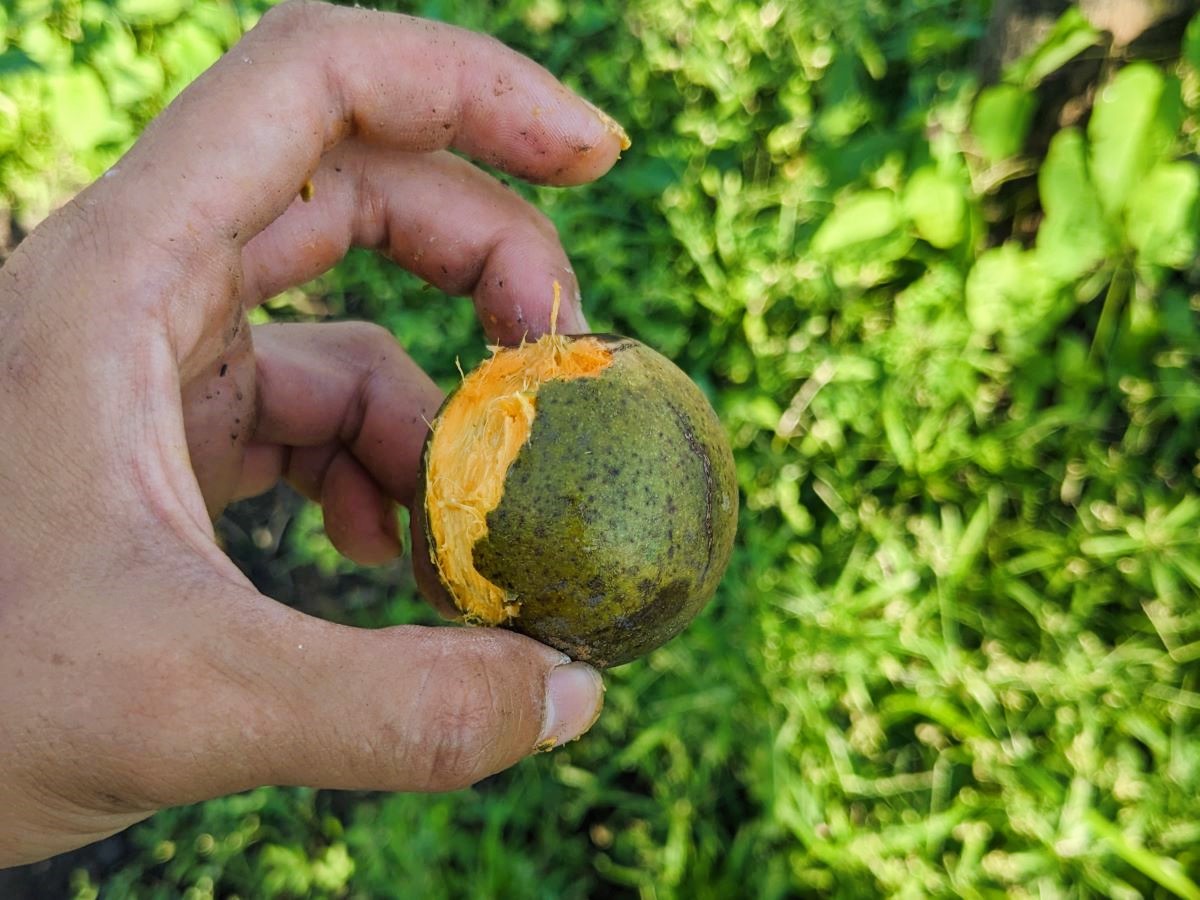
(475, 439)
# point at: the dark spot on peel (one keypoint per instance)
(224, 369)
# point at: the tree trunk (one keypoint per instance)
(1014, 29)
(1139, 29)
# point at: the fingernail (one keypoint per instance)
(573, 701)
(611, 125)
(571, 321)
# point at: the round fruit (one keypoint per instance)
(579, 490)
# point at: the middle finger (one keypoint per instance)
(437, 216)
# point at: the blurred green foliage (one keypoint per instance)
(956, 653)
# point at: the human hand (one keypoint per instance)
(138, 668)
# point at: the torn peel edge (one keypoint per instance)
(474, 441)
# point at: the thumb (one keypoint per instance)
(403, 709)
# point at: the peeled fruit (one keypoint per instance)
(579, 490)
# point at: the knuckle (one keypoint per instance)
(542, 223)
(456, 757)
(463, 739)
(292, 17)
(369, 337)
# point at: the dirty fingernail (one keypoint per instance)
(611, 125)
(571, 320)
(574, 697)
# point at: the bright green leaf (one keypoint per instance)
(1162, 221)
(755, 409)
(1001, 119)
(1191, 43)
(129, 76)
(1166, 872)
(1064, 175)
(1071, 35)
(333, 870)
(187, 51)
(1007, 292)
(140, 79)
(1074, 237)
(872, 57)
(993, 286)
(150, 12)
(845, 107)
(286, 869)
(898, 436)
(1120, 132)
(787, 492)
(45, 46)
(936, 205)
(10, 122)
(858, 219)
(78, 108)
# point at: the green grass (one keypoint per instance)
(957, 650)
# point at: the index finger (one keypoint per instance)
(241, 141)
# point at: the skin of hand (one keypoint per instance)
(138, 668)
